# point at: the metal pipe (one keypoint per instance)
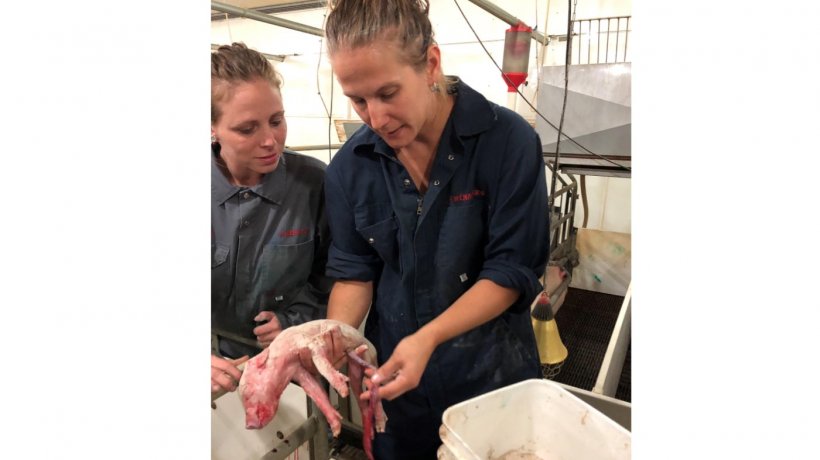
(626, 36)
(598, 48)
(236, 338)
(573, 254)
(557, 223)
(609, 17)
(565, 211)
(580, 34)
(250, 14)
(615, 357)
(563, 190)
(508, 18)
(319, 444)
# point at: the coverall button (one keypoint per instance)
(436, 182)
(451, 157)
(371, 240)
(246, 195)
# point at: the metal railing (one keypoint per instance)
(600, 40)
(562, 216)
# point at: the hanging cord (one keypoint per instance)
(570, 21)
(228, 22)
(584, 199)
(537, 62)
(527, 101)
(540, 63)
(319, 91)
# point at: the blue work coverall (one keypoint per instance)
(269, 246)
(484, 216)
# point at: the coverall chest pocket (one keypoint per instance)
(219, 254)
(383, 238)
(282, 270)
(221, 275)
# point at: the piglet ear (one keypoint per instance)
(264, 358)
(251, 367)
(259, 361)
(251, 370)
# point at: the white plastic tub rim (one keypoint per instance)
(536, 417)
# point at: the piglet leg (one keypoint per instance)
(356, 371)
(321, 349)
(318, 395)
(376, 409)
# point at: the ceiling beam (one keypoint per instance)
(496, 11)
(251, 14)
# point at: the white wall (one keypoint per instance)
(304, 108)
(462, 55)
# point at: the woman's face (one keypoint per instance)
(390, 96)
(251, 130)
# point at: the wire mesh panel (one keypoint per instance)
(586, 322)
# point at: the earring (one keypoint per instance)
(434, 87)
(213, 138)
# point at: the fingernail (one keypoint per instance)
(376, 378)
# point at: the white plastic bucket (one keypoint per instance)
(534, 420)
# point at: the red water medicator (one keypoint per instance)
(516, 59)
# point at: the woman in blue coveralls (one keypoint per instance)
(269, 234)
(438, 211)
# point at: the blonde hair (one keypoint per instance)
(355, 23)
(235, 63)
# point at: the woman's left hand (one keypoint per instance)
(268, 331)
(404, 369)
(225, 373)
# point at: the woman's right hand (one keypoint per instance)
(403, 370)
(225, 373)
